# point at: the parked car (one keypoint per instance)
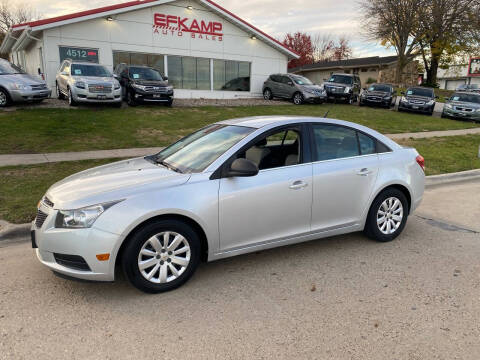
(238, 84)
(83, 82)
(17, 86)
(379, 95)
(418, 99)
(142, 84)
(297, 88)
(463, 105)
(469, 88)
(343, 87)
(231, 188)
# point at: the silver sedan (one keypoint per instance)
(231, 188)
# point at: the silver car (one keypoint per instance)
(82, 82)
(462, 105)
(17, 86)
(297, 88)
(231, 188)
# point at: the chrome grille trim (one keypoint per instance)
(39, 87)
(40, 219)
(48, 202)
(100, 89)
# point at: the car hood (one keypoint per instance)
(24, 79)
(151, 83)
(465, 104)
(112, 182)
(94, 79)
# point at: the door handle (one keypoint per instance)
(364, 172)
(298, 185)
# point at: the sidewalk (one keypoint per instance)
(30, 159)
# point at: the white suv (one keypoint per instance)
(82, 82)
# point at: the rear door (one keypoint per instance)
(344, 174)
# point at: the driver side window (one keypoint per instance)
(279, 149)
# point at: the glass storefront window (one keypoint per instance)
(175, 71)
(203, 74)
(231, 75)
(218, 74)
(130, 58)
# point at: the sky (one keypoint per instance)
(275, 17)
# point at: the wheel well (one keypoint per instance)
(198, 229)
(6, 92)
(405, 192)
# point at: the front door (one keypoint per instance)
(344, 176)
(275, 204)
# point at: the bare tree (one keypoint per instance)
(12, 13)
(395, 23)
(326, 48)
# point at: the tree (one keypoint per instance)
(326, 49)
(395, 23)
(343, 50)
(448, 30)
(16, 13)
(301, 43)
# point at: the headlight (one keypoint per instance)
(310, 91)
(403, 99)
(141, 87)
(81, 218)
(80, 84)
(347, 90)
(431, 102)
(18, 86)
(169, 88)
(117, 86)
(449, 106)
(388, 97)
(478, 110)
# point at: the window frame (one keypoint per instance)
(305, 151)
(313, 143)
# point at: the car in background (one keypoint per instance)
(343, 87)
(143, 84)
(237, 84)
(297, 88)
(418, 99)
(379, 95)
(17, 86)
(83, 82)
(231, 188)
(469, 88)
(462, 105)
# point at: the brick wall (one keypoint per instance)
(409, 76)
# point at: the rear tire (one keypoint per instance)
(387, 216)
(60, 96)
(71, 101)
(168, 260)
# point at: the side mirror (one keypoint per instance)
(242, 168)
(402, 92)
(290, 83)
(115, 76)
(165, 78)
(64, 73)
(364, 89)
(437, 97)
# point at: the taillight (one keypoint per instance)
(421, 162)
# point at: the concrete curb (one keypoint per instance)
(12, 231)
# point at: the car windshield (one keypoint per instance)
(7, 68)
(90, 70)
(379, 87)
(341, 79)
(197, 151)
(300, 80)
(420, 92)
(144, 73)
(466, 98)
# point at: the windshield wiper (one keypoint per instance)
(169, 166)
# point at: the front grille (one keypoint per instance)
(417, 102)
(48, 202)
(373, 98)
(72, 261)
(39, 87)
(100, 89)
(156, 89)
(335, 89)
(460, 108)
(40, 219)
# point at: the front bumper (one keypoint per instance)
(85, 96)
(86, 243)
(314, 98)
(143, 96)
(457, 114)
(30, 95)
(382, 102)
(339, 96)
(427, 109)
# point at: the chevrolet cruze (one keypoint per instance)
(231, 188)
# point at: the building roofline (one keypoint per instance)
(137, 4)
(344, 64)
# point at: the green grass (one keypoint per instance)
(448, 154)
(21, 187)
(57, 130)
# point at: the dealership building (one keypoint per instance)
(205, 50)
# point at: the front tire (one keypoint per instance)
(387, 216)
(267, 94)
(71, 100)
(161, 256)
(297, 98)
(131, 99)
(4, 98)
(60, 96)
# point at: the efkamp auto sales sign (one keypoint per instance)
(173, 25)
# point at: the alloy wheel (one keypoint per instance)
(297, 99)
(3, 98)
(390, 215)
(164, 257)
(267, 95)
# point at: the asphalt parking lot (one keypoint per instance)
(339, 298)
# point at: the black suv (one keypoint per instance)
(142, 84)
(418, 99)
(379, 95)
(343, 87)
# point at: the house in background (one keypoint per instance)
(369, 69)
(454, 76)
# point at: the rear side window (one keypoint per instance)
(337, 142)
